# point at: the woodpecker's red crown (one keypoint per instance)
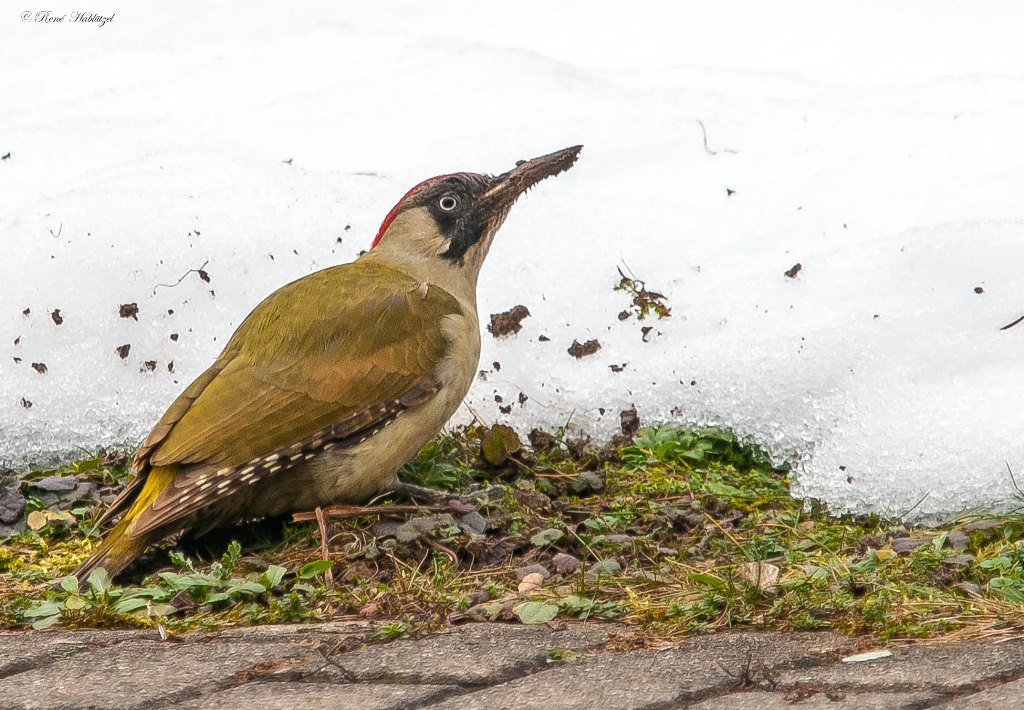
(468, 208)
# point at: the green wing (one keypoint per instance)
(315, 352)
(321, 359)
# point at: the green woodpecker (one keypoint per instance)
(334, 381)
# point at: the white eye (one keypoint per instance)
(448, 203)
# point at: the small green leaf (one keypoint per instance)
(74, 603)
(46, 622)
(547, 537)
(274, 575)
(184, 581)
(312, 569)
(535, 612)
(709, 580)
(69, 584)
(244, 586)
(99, 580)
(42, 609)
(126, 606)
(162, 610)
(64, 515)
(216, 597)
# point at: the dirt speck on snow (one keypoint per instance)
(509, 322)
(629, 421)
(579, 350)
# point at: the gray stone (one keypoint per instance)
(565, 564)
(964, 560)
(22, 651)
(640, 679)
(474, 522)
(12, 504)
(957, 540)
(586, 482)
(1001, 697)
(288, 696)
(474, 654)
(908, 544)
(415, 528)
(760, 700)
(53, 484)
(139, 674)
(309, 634)
(60, 492)
(949, 669)
(17, 527)
(530, 569)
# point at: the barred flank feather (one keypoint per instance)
(120, 546)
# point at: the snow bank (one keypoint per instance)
(189, 160)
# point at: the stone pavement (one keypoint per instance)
(494, 666)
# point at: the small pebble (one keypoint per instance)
(531, 582)
(55, 484)
(565, 564)
(524, 572)
(474, 522)
(907, 544)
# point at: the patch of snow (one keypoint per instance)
(879, 147)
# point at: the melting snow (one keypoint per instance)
(191, 159)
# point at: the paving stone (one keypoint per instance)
(639, 679)
(1001, 697)
(24, 651)
(474, 654)
(949, 669)
(760, 700)
(291, 633)
(20, 652)
(135, 673)
(288, 696)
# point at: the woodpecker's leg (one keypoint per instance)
(325, 539)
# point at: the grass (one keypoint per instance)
(675, 531)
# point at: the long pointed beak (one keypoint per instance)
(508, 186)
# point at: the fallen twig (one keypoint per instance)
(200, 271)
(704, 132)
(1010, 325)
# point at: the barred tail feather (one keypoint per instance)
(120, 546)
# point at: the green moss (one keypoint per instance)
(677, 531)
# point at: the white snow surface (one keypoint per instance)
(878, 144)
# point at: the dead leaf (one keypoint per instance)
(762, 575)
